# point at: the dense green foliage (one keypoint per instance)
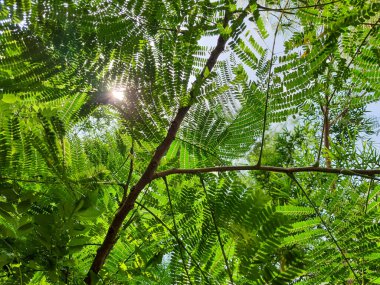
(70, 152)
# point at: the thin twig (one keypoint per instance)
(126, 187)
(317, 161)
(179, 241)
(263, 8)
(176, 230)
(217, 232)
(268, 89)
(129, 256)
(367, 199)
(325, 225)
(357, 52)
(26, 180)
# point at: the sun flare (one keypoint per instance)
(118, 94)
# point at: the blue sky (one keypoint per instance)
(373, 108)
(374, 112)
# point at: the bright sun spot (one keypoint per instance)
(118, 94)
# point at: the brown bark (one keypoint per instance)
(326, 135)
(354, 172)
(149, 174)
(129, 201)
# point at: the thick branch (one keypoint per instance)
(129, 201)
(353, 172)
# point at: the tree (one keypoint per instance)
(125, 143)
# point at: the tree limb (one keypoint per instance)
(129, 201)
(263, 8)
(353, 172)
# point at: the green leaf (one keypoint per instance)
(173, 150)
(9, 98)
(253, 7)
(94, 278)
(232, 7)
(26, 227)
(206, 72)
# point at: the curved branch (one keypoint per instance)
(129, 201)
(367, 173)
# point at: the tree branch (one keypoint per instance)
(217, 232)
(176, 231)
(129, 201)
(368, 173)
(357, 52)
(268, 89)
(367, 198)
(179, 241)
(263, 8)
(27, 180)
(126, 186)
(326, 131)
(325, 225)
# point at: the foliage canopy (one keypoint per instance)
(181, 178)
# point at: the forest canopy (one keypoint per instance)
(189, 142)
